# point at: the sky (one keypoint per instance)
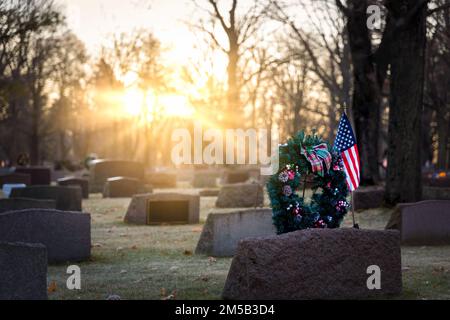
(94, 20)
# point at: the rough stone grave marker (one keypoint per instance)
(315, 264)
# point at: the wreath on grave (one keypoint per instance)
(308, 161)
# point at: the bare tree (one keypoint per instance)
(437, 83)
(21, 24)
(240, 31)
(324, 44)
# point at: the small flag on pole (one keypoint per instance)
(345, 144)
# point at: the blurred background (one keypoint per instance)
(114, 78)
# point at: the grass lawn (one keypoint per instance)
(157, 262)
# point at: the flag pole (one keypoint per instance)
(355, 225)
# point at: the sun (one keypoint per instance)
(176, 106)
(132, 101)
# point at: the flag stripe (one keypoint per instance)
(351, 164)
(355, 161)
(349, 170)
(345, 144)
(355, 166)
(357, 157)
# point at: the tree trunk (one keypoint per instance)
(427, 137)
(404, 183)
(233, 119)
(34, 135)
(443, 136)
(366, 95)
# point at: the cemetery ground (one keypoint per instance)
(158, 262)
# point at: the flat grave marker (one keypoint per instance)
(163, 208)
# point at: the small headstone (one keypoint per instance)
(73, 181)
(23, 270)
(241, 195)
(121, 187)
(38, 175)
(13, 204)
(224, 229)
(435, 193)
(101, 170)
(66, 198)
(437, 181)
(236, 176)
(15, 178)
(7, 188)
(209, 192)
(316, 264)
(204, 179)
(422, 223)
(162, 180)
(66, 235)
(163, 208)
(368, 198)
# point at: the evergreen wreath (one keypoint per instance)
(308, 160)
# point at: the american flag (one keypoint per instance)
(345, 144)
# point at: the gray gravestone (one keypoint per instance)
(15, 178)
(224, 229)
(23, 270)
(66, 235)
(66, 198)
(121, 187)
(38, 175)
(241, 195)
(101, 170)
(163, 208)
(162, 180)
(368, 198)
(435, 193)
(14, 204)
(209, 192)
(422, 223)
(73, 181)
(204, 179)
(315, 264)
